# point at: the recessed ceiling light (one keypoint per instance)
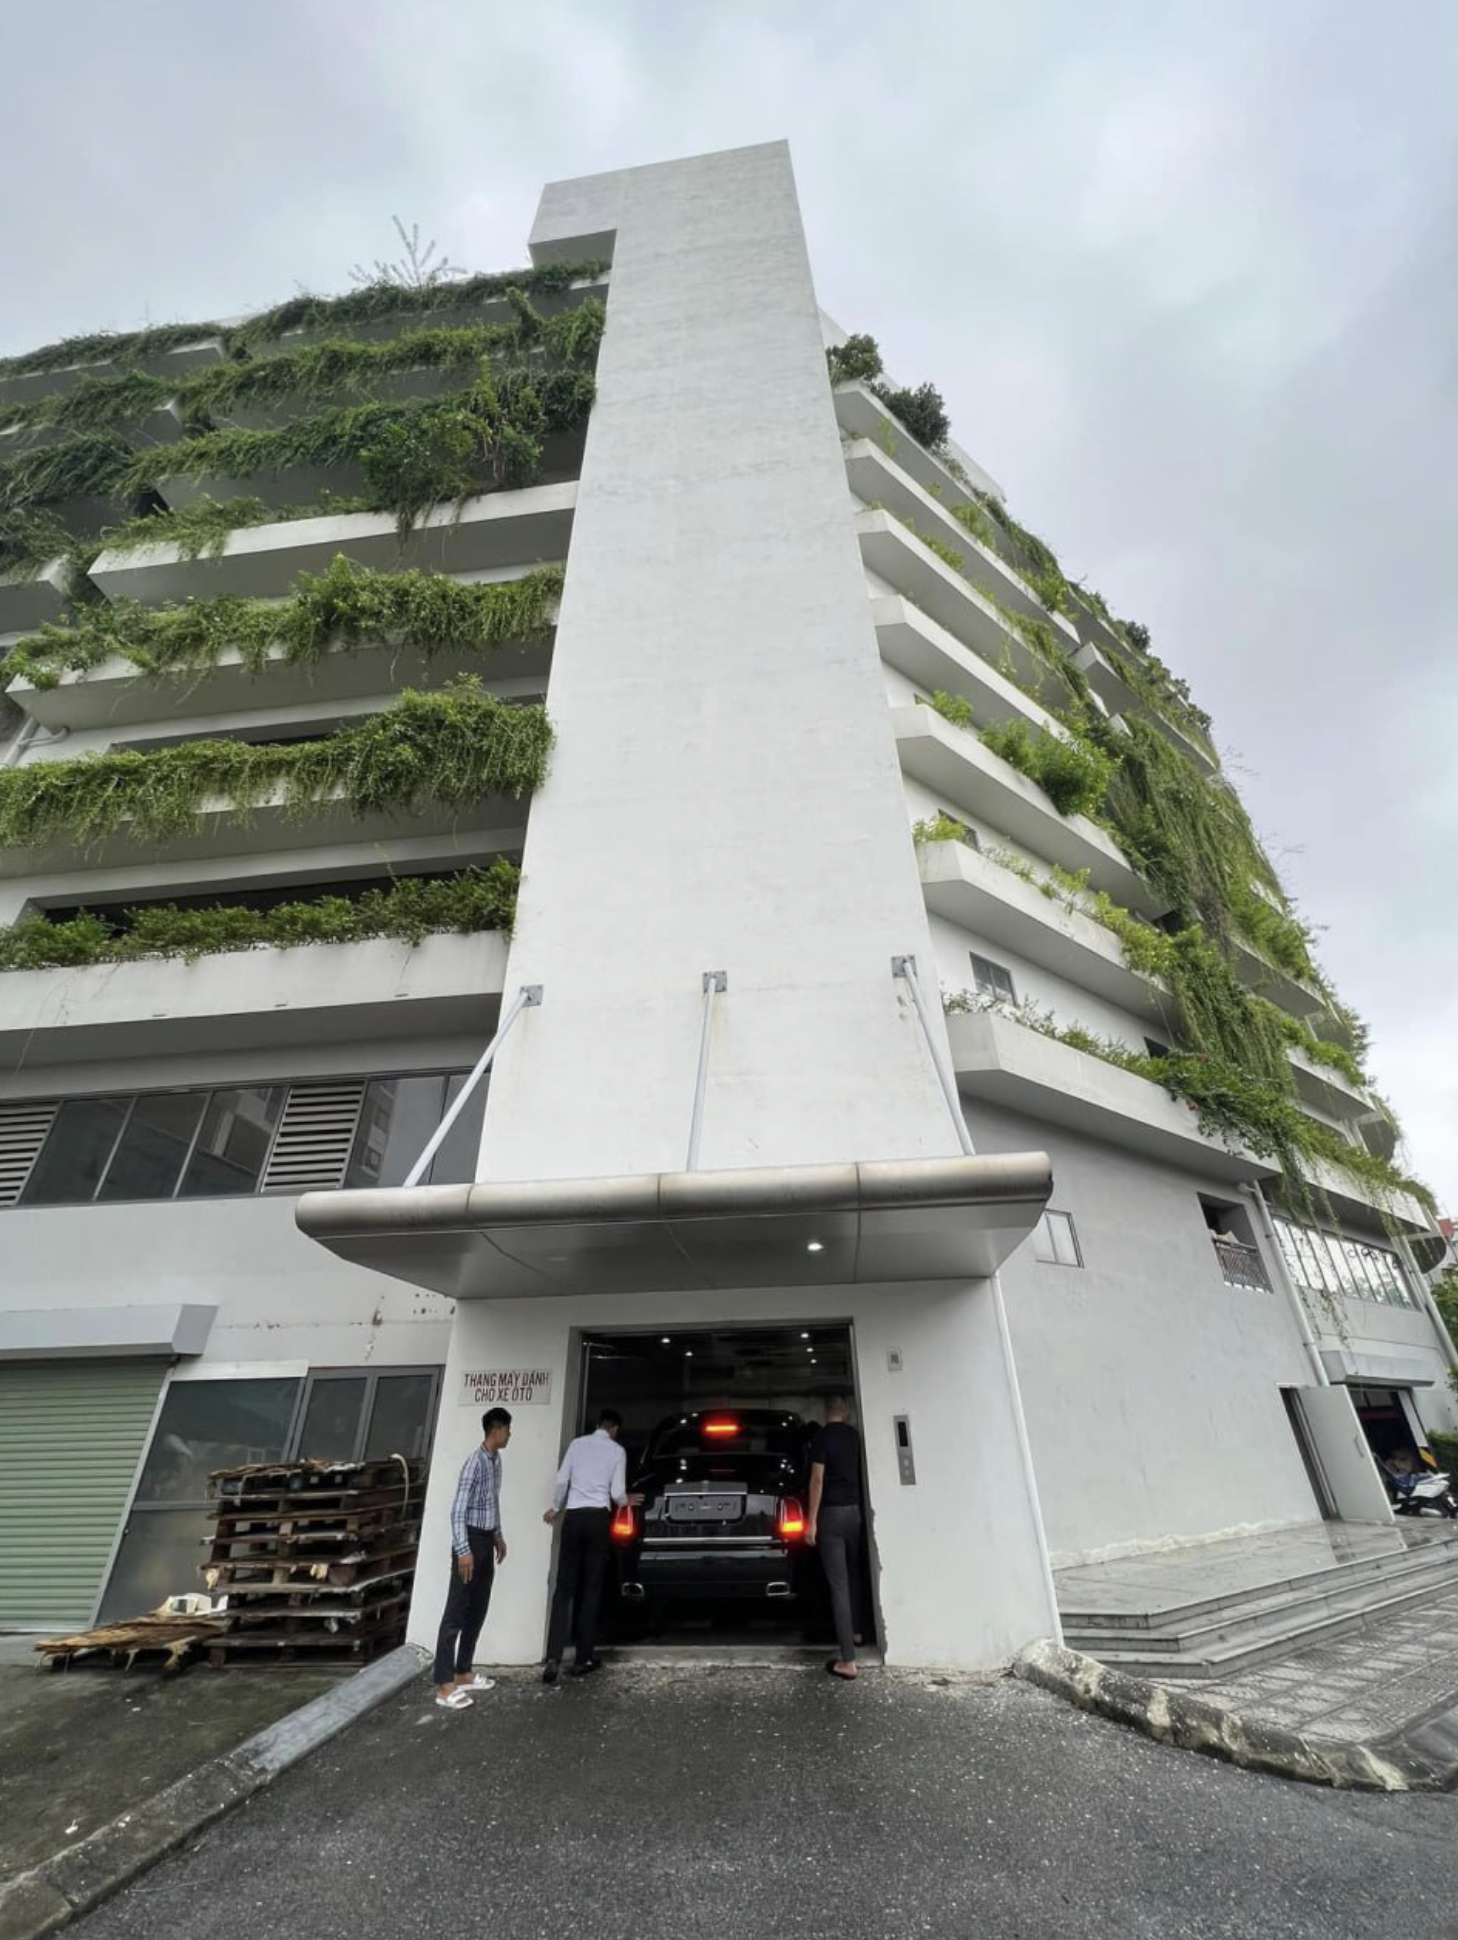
(814, 1246)
(688, 1353)
(665, 1340)
(804, 1337)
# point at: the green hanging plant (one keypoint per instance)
(203, 529)
(108, 346)
(383, 301)
(450, 748)
(413, 456)
(1072, 773)
(374, 303)
(348, 607)
(410, 910)
(90, 467)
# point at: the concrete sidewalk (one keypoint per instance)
(78, 1747)
(1375, 1706)
(726, 1805)
(103, 1772)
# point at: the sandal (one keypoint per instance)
(457, 1701)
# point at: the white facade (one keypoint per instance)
(742, 640)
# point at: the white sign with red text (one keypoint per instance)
(505, 1387)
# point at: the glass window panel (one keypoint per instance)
(400, 1417)
(205, 1425)
(75, 1153)
(1294, 1263)
(1389, 1272)
(1327, 1275)
(160, 1555)
(1054, 1241)
(233, 1145)
(331, 1420)
(1342, 1266)
(394, 1128)
(148, 1162)
(1307, 1270)
(455, 1162)
(1365, 1272)
(992, 979)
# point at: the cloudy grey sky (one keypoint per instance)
(1186, 275)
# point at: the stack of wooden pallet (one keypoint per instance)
(316, 1559)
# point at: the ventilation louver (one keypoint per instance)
(315, 1137)
(23, 1131)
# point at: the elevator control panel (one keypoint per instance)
(905, 1460)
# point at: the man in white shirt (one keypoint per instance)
(591, 1483)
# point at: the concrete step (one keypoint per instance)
(1272, 1628)
(1426, 1553)
(1322, 1592)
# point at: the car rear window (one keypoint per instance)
(749, 1438)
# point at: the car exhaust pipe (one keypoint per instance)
(634, 1592)
(778, 1589)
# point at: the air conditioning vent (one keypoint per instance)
(315, 1137)
(23, 1130)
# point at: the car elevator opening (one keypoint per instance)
(718, 1424)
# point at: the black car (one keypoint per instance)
(723, 1511)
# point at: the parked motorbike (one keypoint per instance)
(1428, 1493)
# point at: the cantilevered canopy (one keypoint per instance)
(658, 1232)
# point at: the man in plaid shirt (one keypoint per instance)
(477, 1546)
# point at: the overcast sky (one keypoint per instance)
(1185, 274)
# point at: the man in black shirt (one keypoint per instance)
(835, 1524)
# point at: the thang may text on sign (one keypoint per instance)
(504, 1387)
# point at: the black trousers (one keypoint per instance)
(839, 1537)
(466, 1607)
(581, 1566)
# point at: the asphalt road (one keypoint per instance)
(703, 1805)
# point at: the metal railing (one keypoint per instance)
(1240, 1265)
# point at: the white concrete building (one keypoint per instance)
(730, 1108)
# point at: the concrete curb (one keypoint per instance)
(1177, 1715)
(37, 1902)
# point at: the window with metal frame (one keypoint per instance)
(1055, 1241)
(330, 1414)
(1349, 1268)
(233, 1140)
(992, 979)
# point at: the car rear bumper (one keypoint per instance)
(687, 1569)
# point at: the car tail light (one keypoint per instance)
(625, 1524)
(721, 1425)
(790, 1523)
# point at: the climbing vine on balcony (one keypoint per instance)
(203, 529)
(1072, 772)
(376, 302)
(316, 371)
(409, 910)
(450, 748)
(412, 456)
(383, 302)
(88, 467)
(921, 410)
(346, 607)
(1191, 839)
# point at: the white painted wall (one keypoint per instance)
(956, 1574)
(279, 1297)
(725, 794)
(1151, 1387)
(1068, 1002)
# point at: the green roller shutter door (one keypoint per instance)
(71, 1436)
